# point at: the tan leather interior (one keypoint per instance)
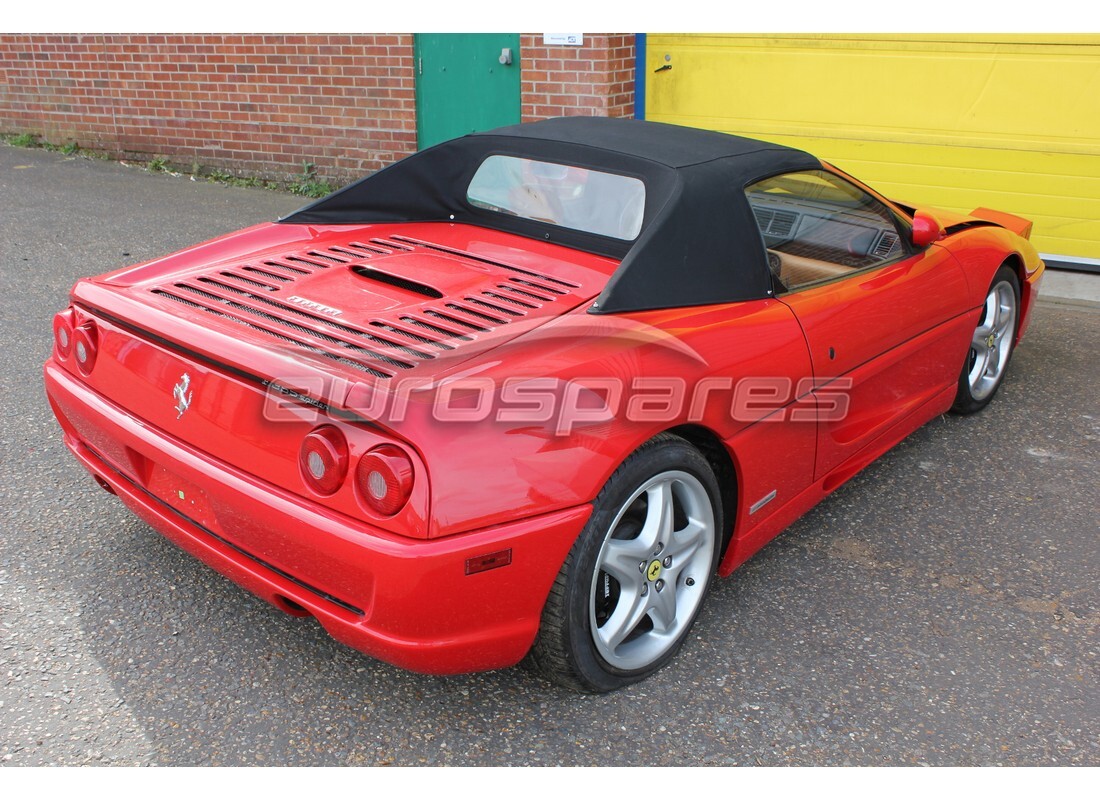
(795, 271)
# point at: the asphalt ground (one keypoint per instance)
(941, 608)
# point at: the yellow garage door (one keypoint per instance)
(1008, 122)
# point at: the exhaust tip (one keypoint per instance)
(104, 485)
(289, 606)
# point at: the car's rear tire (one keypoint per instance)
(633, 583)
(991, 344)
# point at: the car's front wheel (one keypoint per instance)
(991, 344)
(632, 586)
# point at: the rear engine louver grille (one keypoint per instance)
(419, 323)
(347, 362)
(439, 248)
(251, 295)
(461, 323)
(412, 335)
(294, 271)
(513, 300)
(241, 279)
(493, 307)
(470, 312)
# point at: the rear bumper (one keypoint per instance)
(411, 603)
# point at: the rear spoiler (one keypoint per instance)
(1018, 225)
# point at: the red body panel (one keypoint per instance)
(1018, 225)
(898, 353)
(981, 251)
(390, 596)
(483, 309)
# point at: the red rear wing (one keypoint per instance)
(1018, 225)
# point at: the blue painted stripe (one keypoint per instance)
(639, 76)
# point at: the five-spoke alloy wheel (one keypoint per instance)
(649, 576)
(991, 345)
(635, 580)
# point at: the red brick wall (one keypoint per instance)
(264, 104)
(260, 104)
(596, 79)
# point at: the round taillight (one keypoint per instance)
(63, 332)
(385, 479)
(86, 346)
(323, 459)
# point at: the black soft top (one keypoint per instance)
(699, 243)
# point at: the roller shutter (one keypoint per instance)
(1010, 122)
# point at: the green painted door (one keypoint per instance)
(462, 86)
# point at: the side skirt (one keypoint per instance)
(743, 547)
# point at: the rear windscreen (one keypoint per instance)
(582, 199)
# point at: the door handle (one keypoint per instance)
(505, 56)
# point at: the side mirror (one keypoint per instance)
(926, 229)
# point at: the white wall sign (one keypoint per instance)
(567, 39)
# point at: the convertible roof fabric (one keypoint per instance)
(671, 145)
(699, 243)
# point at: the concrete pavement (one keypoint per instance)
(1071, 288)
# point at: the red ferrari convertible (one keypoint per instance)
(525, 393)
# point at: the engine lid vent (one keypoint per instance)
(398, 281)
(413, 312)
